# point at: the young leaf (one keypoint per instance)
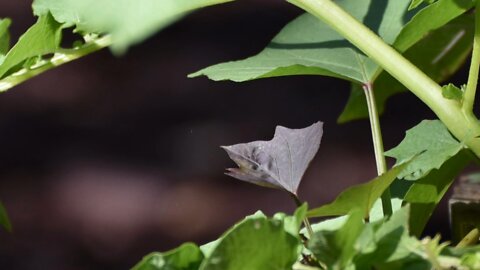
(42, 38)
(450, 91)
(431, 143)
(255, 243)
(129, 22)
(425, 194)
(361, 196)
(186, 257)
(439, 54)
(279, 163)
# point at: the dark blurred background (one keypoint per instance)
(106, 159)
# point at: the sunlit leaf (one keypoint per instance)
(129, 22)
(279, 163)
(42, 38)
(255, 243)
(186, 257)
(431, 143)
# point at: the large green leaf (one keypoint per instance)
(361, 196)
(425, 194)
(129, 22)
(186, 257)
(431, 143)
(256, 243)
(307, 46)
(42, 38)
(440, 54)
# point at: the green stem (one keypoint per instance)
(60, 57)
(378, 145)
(465, 126)
(306, 222)
(470, 91)
(470, 239)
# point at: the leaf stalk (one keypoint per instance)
(378, 145)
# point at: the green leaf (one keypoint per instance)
(4, 220)
(307, 46)
(292, 224)
(255, 243)
(186, 257)
(4, 36)
(42, 38)
(129, 22)
(431, 143)
(439, 54)
(336, 248)
(388, 239)
(451, 91)
(425, 194)
(361, 196)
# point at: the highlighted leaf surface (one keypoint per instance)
(431, 143)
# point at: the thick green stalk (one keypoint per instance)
(378, 145)
(60, 57)
(470, 91)
(464, 126)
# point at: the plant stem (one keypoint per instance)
(470, 91)
(470, 239)
(306, 222)
(378, 145)
(464, 126)
(61, 57)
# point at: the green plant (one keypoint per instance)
(382, 48)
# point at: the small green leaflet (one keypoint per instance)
(129, 22)
(451, 91)
(186, 257)
(431, 143)
(361, 196)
